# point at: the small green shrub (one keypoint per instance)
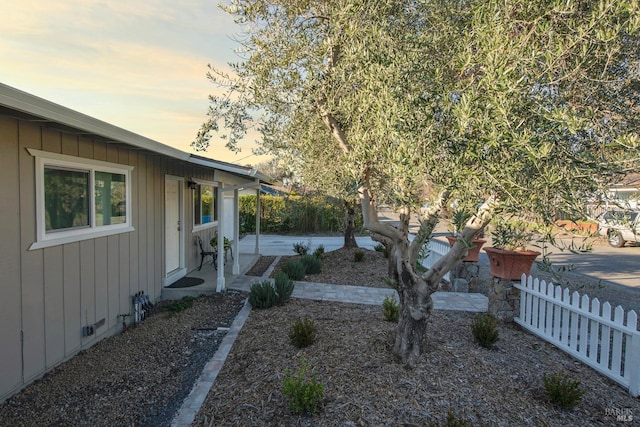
(300, 248)
(390, 309)
(382, 249)
(453, 421)
(283, 287)
(294, 269)
(358, 255)
(562, 391)
(312, 264)
(303, 332)
(390, 283)
(484, 329)
(305, 392)
(319, 251)
(179, 305)
(262, 295)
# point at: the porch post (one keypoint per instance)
(258, 208)
(236, 233)
(220, 284)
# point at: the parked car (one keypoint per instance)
(620, 226)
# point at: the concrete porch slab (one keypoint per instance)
(210, 276)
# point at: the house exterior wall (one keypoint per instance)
(49, 294)
(10, 250)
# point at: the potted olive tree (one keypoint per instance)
(458, 221)
(509, 257)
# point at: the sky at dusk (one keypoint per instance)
(137, 64)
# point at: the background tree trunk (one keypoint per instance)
(350, 225)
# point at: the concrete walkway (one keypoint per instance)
(371, 296)
(305, 290)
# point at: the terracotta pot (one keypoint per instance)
(474, 252)
(510, 265)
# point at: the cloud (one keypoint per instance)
(195, 26)
(139, 64)
(159, 49)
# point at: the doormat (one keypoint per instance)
(186, 282)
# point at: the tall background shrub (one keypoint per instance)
(294, 214)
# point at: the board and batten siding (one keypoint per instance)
(49, 294)
(10, 250)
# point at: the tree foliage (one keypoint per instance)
(533, 114)
(529, 106)
(511, 98)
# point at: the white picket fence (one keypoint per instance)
(437, 250)
(579, 327)
(582, 327)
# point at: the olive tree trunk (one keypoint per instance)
(414, 293)
(415, 308)
(415, 289)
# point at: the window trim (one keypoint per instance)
(208, 225)
(60, 237)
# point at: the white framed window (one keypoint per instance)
(205, 211)
(79, 199)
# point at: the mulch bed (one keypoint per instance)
(339, 267)
(136, 378)
(261, 266)
(365, 386)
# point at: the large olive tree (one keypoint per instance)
(528, 106)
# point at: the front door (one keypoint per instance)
(174, 263)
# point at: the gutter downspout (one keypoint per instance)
(236, 233)
(258, 209)
(220, 283)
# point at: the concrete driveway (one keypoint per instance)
(619, 266)
(277, 245)
(616, 265)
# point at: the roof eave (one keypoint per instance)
(48, 111)
(237, 170)
(52, 112)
